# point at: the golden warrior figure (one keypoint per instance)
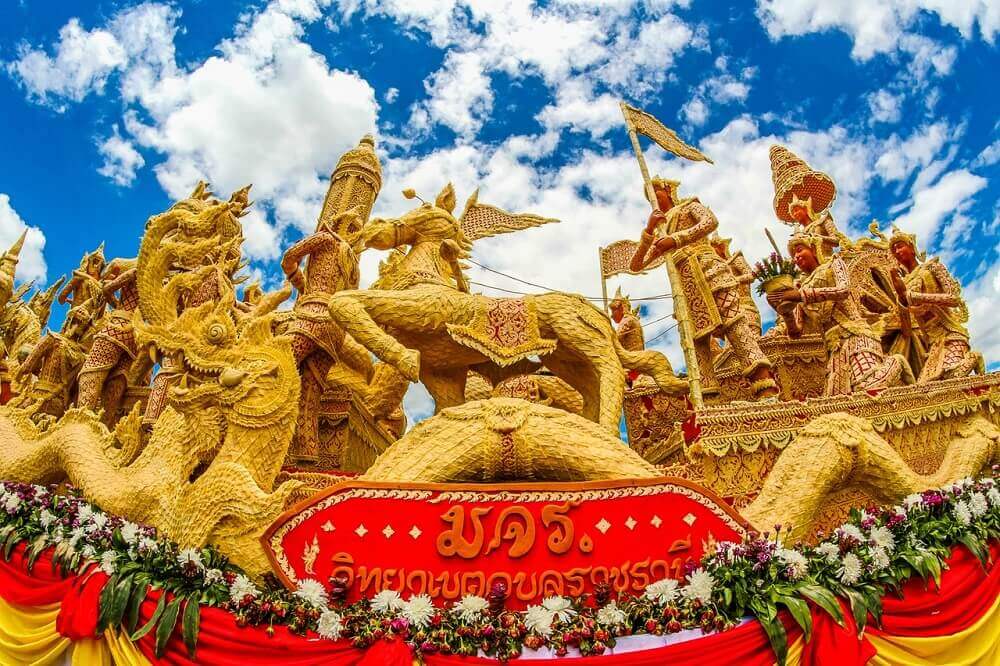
(683, 227)
(855, 360)
(934, 298)
(103, 378)
(86, 281)
(629, 328)
(331, 255)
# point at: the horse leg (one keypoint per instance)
(351, 311)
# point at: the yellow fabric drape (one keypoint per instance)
(979, 644)
(795, 652)
(28, 637)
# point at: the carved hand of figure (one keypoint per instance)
(655, 218)
(899, 286)
(665, 244)
(298, 281)
(777, 298)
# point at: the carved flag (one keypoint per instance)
(481, 220)
(645, 124)
(615, 259)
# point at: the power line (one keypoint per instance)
(661, 333)
(540, 286)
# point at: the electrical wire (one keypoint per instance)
(661, 334)
(540, 286)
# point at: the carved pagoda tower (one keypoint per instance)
(355, 182)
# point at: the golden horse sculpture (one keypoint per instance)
(440, 331)
(207, 471)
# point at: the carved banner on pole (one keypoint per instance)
(541, 539)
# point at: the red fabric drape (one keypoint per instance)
(41, 587)
(966, 593)
(220, 641)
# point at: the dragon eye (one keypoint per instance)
(215, 334)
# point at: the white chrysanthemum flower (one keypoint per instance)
(241, 588)
(882, 537)
(108, 558)
(977, 504)
(795, 562)
(46, 518)
(89, 552)
(561, 607)
(75, 536)
(662, 591)
(913, 500)
(962, 513)
(312, 592)
(84, 513)
(213, 576)
(700, 585)
(192, 557)
(880, 558)
(828, 551)
(850, 569)
(59, 535)
(387, 601)
(148, 545)
(130, 532)
(11, 502)
(98, 521)
(539, 620)
(330, 625)
(851, 531)
(610, 615)
(419, 610)
(471, 607)
(993, 495)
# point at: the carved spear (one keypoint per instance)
(667, 140)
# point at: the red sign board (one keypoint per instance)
(449, 540)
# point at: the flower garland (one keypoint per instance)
(875, 551)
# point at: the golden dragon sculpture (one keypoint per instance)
(206, 472)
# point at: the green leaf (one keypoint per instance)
(9, 543)
(873, 599)
(727, 596)
(166, 626)
(139, 589)
(119, 599)
(859, 608)
(190, 625)
(104, 602)
(976, 547)
(934, 566)
(825, 599)
(776, 634)
(800, 613)
(160, 605)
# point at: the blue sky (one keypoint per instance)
(110, 110)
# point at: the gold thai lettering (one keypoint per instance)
(520, 529)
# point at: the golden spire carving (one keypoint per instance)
(353, 184)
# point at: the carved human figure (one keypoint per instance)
(744, 276)
(855, 360)
(934, 299)
(55, 362)
(331, 266)
(802, 198)
(41, 301)
(683, 227)
(103, 377)
(85, 283)
(629, 328)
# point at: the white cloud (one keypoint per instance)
(391, 95)
(934, 204)
(268, 110)
(876, 27)
(982, 295)
(121, 159)
(31, 265)
(722, 89)
(901, 157)
(989, 156)
(885, 107)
